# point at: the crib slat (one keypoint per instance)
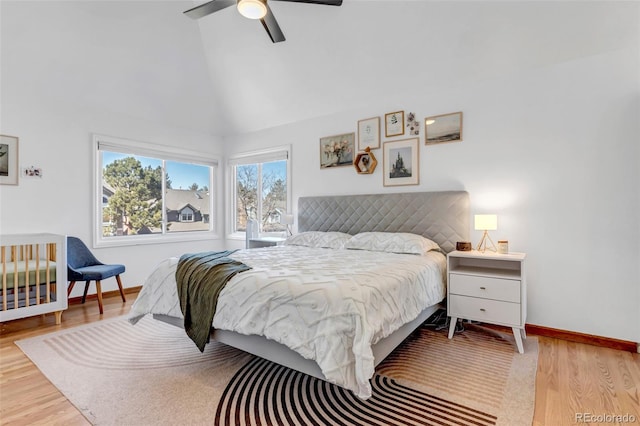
(50, 248)
(15, 276)
(26, 274)
(4, 278)
(38, 274)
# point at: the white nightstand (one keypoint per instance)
(488, 287)
(259, 242)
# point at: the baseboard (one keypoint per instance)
(573, 336)
(590, 339)
(113, 293)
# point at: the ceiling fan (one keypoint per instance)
(253, 9)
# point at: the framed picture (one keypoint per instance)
(443, 128)
(337, 150)
(32, 172)
(413, 125)
(365, 162)
(401, 164)
(394, 124)
(369, 133)
(8, 160)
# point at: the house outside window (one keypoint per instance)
(260, 189)
(147, 193)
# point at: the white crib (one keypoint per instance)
(34, 275)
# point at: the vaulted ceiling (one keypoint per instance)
(380, 52)
(221, 74)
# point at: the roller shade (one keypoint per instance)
(277, 154)
(122, 146)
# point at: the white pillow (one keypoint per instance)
(318, 239)
(391, 242)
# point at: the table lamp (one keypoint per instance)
(287, 219)
(486, 223)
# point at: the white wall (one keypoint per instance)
(63, 78)
(552, 150)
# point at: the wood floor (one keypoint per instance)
(572, 377)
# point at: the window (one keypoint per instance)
(146, 193)
(186, 215)
(260, 190)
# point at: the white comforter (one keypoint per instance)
(328, 305)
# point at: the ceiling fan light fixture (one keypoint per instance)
(252, 9)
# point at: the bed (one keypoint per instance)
(337, 308)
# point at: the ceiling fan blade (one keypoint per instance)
(208, 8)
(326, 2)
(271, 26)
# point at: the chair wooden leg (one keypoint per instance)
(86, 290)
(99, 293)
(120, 287)
(71, 284)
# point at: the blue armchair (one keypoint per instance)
(83, 266)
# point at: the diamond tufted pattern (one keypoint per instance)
(440, 216)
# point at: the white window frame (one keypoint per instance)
(160, 152)
(261, 156)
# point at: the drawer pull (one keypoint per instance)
(483, 310)
(483, 288)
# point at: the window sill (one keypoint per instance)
(154, 239)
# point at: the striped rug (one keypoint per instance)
(480, 367)
(152, 374)
(268, 394)
(428, 380)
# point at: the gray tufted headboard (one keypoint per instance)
(440, 216)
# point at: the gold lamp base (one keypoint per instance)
(483, 245)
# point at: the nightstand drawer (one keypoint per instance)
(484, 310)
(485, 287)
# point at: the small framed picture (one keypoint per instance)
(401, 162)
(32, 172)
(443, 128)
(369, 133)
(413, 125)
(394, 124)
(337, 150)
(9, 160)
(365, 162)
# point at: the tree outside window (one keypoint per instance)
(261, 194)
(135, 206)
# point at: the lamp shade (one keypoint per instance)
(252, 9)
(286, 219)
(486, 222)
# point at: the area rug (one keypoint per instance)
(152, 374)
